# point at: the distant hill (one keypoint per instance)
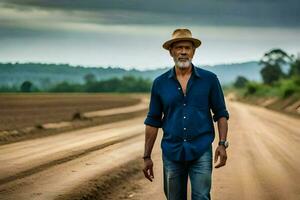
(45, 75)
(229, 72)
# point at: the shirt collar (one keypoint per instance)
(172, 73)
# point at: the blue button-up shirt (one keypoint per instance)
(186, 120)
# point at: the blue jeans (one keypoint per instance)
(176, 177)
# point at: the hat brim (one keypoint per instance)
(168, 43)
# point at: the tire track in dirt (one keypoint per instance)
(28, 157)
(79, 154)
(72, 177)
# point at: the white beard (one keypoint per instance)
(183, 64)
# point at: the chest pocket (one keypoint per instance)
(199, 98)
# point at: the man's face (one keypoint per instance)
(182, 53)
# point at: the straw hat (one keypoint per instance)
(181, 35)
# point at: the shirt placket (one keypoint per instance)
(184, 109)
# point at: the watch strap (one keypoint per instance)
(223, 143)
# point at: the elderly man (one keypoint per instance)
(180, 104)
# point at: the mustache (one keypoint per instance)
(180, 58)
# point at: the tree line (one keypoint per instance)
(124, 84)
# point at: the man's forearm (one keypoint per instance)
(222, 128)
(150, 137)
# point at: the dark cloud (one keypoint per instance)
(192, 12)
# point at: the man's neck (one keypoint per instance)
(182, 72)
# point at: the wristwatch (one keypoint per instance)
(225, 143)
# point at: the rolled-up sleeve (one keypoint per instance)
(217, 101)
(155, 108)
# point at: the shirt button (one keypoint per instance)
(184, 140)
(184, 128)
(184, 104)
(179, 88)
(184, 117)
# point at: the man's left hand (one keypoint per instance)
(220, 152)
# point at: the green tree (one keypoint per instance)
(276, 57)
(271, 74)
(295, 68)
(26, 86)
(66, 87)
(90, 78)
(272, 61)
(125, 84)
(240, 82)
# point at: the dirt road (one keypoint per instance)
(262, 163)
(263, 158)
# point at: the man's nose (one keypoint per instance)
(183, 52)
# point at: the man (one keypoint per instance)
(180, 104)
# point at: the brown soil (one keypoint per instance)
(289, 106)
(29, 110)
(57, 166)
(124, 181)
(112, 113)
(21, 135)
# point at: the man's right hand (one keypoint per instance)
(148, 169)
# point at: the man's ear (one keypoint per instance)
(170, 51)
(194, 50)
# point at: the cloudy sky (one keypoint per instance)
(129, 33)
